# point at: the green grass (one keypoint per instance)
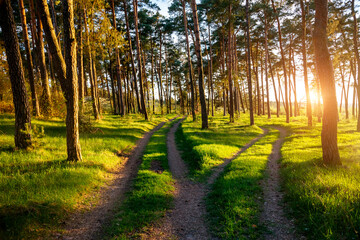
(234, 203)
(202, 150)
(324, 200)
(38, 189)
(152, 192)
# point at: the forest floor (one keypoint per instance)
(227, 182)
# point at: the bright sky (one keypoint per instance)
(164, 5)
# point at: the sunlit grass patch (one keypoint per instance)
(324, 200)
(38, 189)
(152, 192)
(205, 149)
(234, 203)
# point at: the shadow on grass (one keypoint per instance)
(44, 166)
(30, 219)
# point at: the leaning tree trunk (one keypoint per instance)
(143, 107)
(251, 110)
(204, 116)
(189, 61)
(17, 78)
(29, 61)
(325, 71)
(66, 72)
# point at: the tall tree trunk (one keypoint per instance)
(115, 109)
(29, 61)
(91, 72)
(72, 107)
(118, 66)
(283, 63)
(80, 62)
(204, 117)
(143, 107)
(229, 68)
(357, 58)
(65, 72)
(211, 73)
(160, 85)
(296, 108)
(45, 102)
(249, 63)
(131, 56)
(17, 78)
(325, 71)
(290, 71)
(266, 66)
(152, 76)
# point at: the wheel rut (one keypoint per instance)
(187, 219)
(89, 225)
(273, 215)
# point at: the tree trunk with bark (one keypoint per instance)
(66, 72)
(325, 71)
(143, 107)
(249, 64)
(80, 62)
(204, 116)
(357, 58)
(283, 63)
(45, 102)
(131, 56)
(29, 61)
(72, 99)
(266, 66)
(91, 72)
(229, 68)
(17, 78)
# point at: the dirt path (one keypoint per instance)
(273, 216)
(89, 224)
(187, 218)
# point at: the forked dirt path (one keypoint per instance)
(187, 219)
(273, 216)
(88, 225)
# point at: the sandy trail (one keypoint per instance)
(273, 216)
(187, 219)
(89, 225)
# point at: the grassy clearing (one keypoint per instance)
(205, 149)
(234, 203)
(152, 191)
(324, 200)
(38, 189)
